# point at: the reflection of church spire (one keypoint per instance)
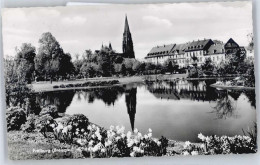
(130, 99)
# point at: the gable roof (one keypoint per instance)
(198, 45)
(179, 48)
(161, 50)
(231, 44)
(216, 48)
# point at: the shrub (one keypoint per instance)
(225, 145)
(70, 127)
(55, 86)
(44, 124)
(114, 82)
(62, 86)
(29, 125)
(15, 117)
(50, 110)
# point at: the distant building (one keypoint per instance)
(128, 48)
(127, 44)
(189, 53)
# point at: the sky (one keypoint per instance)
(79, 28)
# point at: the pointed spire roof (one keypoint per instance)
(126, 25)
(110, 46)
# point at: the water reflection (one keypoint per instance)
(130, 99)
(225, 106)
(143, 105)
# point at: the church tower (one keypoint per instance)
(128, 48)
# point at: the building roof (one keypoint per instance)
(198, 45)
(180, 48)
(161, 50)
(231, 44)
(216, 48)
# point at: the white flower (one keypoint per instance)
(123, 135)
(158, 143)
(207, 139)
(117, 138)
(117, 127)
(89, 127)
(194, 153)
(130, 143)
(128, 134)
(91, 142)
(185, 153)
(202, 137)
(52, 125)
(139, 134)
(150, 135)
(69, 127)
(135, 130)
(48, 122)
(82, 130)
(76, 132)
(108, 143)
(202, 146)
(142, 151)
(103, 150)
(93, 136)
(95, 148)
(132, 154)
(93, 126)
(135, 148)
(145, 136)
(99, 137)
(112, 127)
(150, 130)
(187, 143)
(65, 130)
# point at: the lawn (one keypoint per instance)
(23, 146)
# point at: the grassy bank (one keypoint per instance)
(23, 146)
(47, 86)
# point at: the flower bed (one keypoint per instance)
(96, 142)
(87, 84)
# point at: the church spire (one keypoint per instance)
(110, 46)
(128, 48)
(126, 25)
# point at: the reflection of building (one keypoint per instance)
(130, 99)
(193, 52)
(192, 90)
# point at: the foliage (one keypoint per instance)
(50, 110)
(51, 60)
(15, 117)
(16, 87)
(29, 125)
(225, 145)
(44, 124)
(31, 106)
(25, 60)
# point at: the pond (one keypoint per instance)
(178, 110)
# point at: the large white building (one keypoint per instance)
(192, 52)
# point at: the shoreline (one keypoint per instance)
(225, 87)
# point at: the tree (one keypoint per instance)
(250, 37)
(16, 88)
(51, 60)
(208, 66)
(25, 60)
